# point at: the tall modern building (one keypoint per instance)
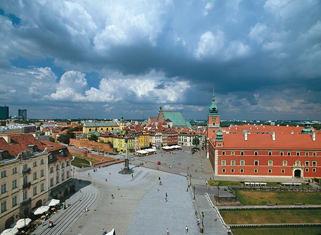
(22, 113)
(4, 112)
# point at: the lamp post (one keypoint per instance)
(126, 169)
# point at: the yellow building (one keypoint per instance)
(120, 145)
(100, 127)
(143, 140)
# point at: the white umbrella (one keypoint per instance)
(52, 202)
(21, 223)
(10, 231)
(112, 232)
(41, 210)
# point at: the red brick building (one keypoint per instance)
(263, 150)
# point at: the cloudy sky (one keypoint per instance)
(104, 58)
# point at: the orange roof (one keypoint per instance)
(264, 141)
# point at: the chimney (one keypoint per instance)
(6, 138)
(273, 136)
(313, 136)
(245, 136)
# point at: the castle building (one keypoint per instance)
(263, 150)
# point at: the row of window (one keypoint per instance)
(270, 163)
(270, 153)
(269, 170)
(57, 178)
(14, 199)
(57, 167)
(25, 167)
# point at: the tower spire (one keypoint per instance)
(213, 108)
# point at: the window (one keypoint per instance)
(232, 170)
(281, 153)
(223, 162)
(42, 161)
(255, 170)
(25, 195)
(232, 153)
(223, 170)
(34, 163)
(67, 163)
(3, 206)
(42, 173)
(256, 162)
(62, 176)
(3, 188)
(270, 153)
(270, 163)
(314, 154)
(241, 170)
(285, 163)
(298, 153)
(270, 170)
(242, 153)
(14, 184)
(289, 153)
(25, 179)
(306, 154)
(314, 163)
(42, 187)
(14, 201)
(67, 174)
(232, 162)
(57, 167)
(282, 171)
(3, 174)
(223, 153)
(307, 163)
(57, 179)
(14, 170)
(242, 162)
(297, 163)
(62, 165)
(34, 175)
(314, 170)
(306, 169)
(255, 153)
(51, 182)
(35, 191)
(25, 167)
(51, 169)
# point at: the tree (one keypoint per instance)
(196, 141)
(2, 123)
(64, 139)
(93, 137)
(51, 139)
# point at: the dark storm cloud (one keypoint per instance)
(173, 52)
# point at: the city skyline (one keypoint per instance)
(72, 59)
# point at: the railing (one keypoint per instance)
(26, 185)
(26, 171)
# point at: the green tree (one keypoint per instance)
(2, 123)
(93, 137)
(196, 141)
(64, 139)
(51, 139)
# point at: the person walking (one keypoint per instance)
(186, 229)
(103, 232)
(167, 232)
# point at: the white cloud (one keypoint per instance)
(208, 7)
(210, 44)
(258, 32)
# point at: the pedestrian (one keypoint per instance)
(186, 229)
(112, 196)
(158, 178)
(106, 179)
(86, 209)
(103, 232)
(187, 189)
(166, 194)
(167, 231)
(215, 219)
(118, 188)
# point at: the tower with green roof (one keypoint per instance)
(213, 119)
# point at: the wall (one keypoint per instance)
(92, 145)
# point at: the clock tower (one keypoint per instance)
(213, 119)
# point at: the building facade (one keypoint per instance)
(263, 151)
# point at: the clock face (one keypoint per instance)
(213, 120)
